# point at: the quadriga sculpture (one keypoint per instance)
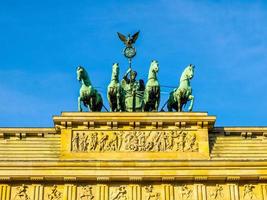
(114, 92)
(179, 97)
(152, 91)
(88, 94)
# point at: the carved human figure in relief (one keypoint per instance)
(173, 136)
(55, 194)
(180, 142)
(217, 194)
(103, 142)
(115, 142)
(93, 141)
(186, 192)
(75, 142)
(190, 142)
(87, 193)
(131, 141)
(150, 194)
(249, 192)
(135, 141)
(21, 193)
(83, 142)
(187, 142)
(121, 194)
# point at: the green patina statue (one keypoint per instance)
(114, 92)
(152, 91)
(179, 97)
(133, 95)
(133, 92)
(88, 94)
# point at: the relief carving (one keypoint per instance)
(83, 142)
(186, 192)
(75, 142)
(217, 193)
(54, 194)
(21, 193)
(249, 192)
(87, 193)
(134, 141)
(150, 194)
(120, 194)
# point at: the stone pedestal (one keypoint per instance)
(134, 137)
(133, 156)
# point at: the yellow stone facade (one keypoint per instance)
(133, 156)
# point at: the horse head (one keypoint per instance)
(154, 66)
(80, 72)
(153, 70)
(188, 73)
(115, 71)
(82, 76)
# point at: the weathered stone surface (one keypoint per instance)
(144, 156)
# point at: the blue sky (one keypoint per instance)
(42, 43)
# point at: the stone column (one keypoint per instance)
(38, 192)
(264, 191)
(234, 192)
(5, 192)
(168, 192)
(135, 192)
(102, 192)
(200, 192)
(70, 192)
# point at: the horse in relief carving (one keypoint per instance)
(152, 90)
(88, 94)
(114, 92)
(179, 97)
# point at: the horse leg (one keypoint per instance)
(179, 105)
(118, 103)
(79, 105)
(91, 106)
(109, 99)
(118, 106)
(157, 99)
(99, 103)
(88, 107)
(170, 102)
(191, 98)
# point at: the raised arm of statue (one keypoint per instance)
(125, 77)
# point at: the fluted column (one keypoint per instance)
(102, 192)
(135, 192)
(234, 192)
(38, 192)
(70, 192)
(168, 192)
(264, 191)
(200, 192)
(5, 192)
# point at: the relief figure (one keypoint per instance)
(87, 193)
(54, 194)
(150, 194)
(121, 194)
(21, 193)
(75, 142)
(249, 192)
(216, 194)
